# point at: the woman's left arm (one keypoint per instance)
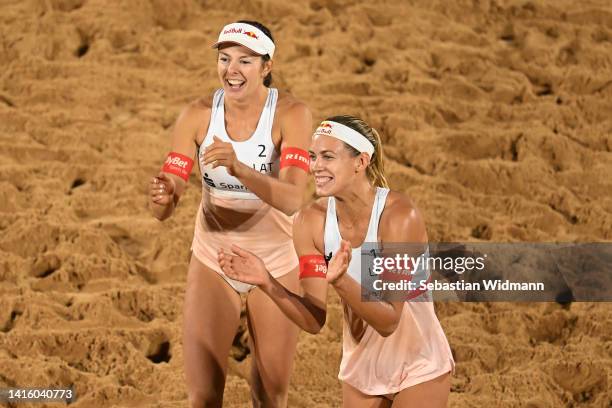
(402, 223)
(287, 192)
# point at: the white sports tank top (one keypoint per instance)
(231, 214)
(332, 237)
(258, 151)
(417, 351)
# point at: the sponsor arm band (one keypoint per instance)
(178, 164)
(313, 266)
(293, 156)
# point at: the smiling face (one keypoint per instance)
(240, 70)
(333, 165)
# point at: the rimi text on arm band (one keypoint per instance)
(296, 157)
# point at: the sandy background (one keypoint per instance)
(496, 117)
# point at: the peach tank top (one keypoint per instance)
(416, 352)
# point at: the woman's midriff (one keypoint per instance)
(251, 224)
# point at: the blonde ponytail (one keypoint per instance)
(376, 169)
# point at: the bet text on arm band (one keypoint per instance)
(296, 157)
(178, 164)
(313, 266)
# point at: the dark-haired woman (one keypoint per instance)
(250, 142)
(395, 354)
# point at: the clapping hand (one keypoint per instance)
(338, 265)
(221, 153)
(243, 266)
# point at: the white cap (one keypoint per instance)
(349, 136)
(249, 36)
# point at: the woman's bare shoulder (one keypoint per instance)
(309, 223)
(288, 103)
(200, 105)
(399, 203)
(195, 116)
(313, 213)
(401, 219)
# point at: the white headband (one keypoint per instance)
(346, 134)
(249, 36)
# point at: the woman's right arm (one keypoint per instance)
(166, 188)
(308, 311)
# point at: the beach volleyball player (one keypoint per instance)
(250, 141)
(394, 353)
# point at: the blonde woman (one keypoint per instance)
(395, 354)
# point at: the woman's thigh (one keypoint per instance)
(211, 318)
(273, 339)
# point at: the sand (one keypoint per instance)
(496, 120)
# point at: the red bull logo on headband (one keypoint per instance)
(251, 34)
(347, 134)
(324, 128)
(233, 31)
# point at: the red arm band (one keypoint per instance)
(293, 156)
(178, 164)
(313, 266)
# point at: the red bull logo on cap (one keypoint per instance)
(326, 125)
(233, 31)
(251, 34)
